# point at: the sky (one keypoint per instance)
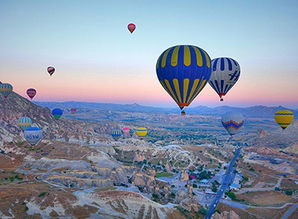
(98, 60)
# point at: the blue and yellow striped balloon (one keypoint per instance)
(183, 72)
(6, 89)
(284, 118)
(24, 123)
(141, 132)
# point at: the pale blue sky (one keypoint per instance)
(89, 41)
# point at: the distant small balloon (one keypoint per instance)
(51, 70)
(141, 133)
(57, 113)
(6, 89)
(33, 135)
(116, 134)
(131, 27)
(31, 92)
(284, 118)
(126, 131)
(232, 122)
(24, 123)
(73, 110)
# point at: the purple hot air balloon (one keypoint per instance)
(51, 70)
(31, 92)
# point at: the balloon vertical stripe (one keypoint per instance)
(194, 87)
(171, 90)
(185, 88)
(207, 59)
(198, 56)
(177, 89)
(203, 83)
(174, 59)
(187, 58)
(164, 58)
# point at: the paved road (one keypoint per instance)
(290, 211)
(228, 179)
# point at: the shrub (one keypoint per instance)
(43, 194)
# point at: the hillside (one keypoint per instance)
(88, 107)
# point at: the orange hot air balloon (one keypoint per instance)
(131, 27)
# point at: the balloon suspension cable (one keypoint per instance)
(230, 139)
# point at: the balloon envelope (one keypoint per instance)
(284, 118)
(57, 113)
(131, 27)
(225, 73)
(126, 131)
(24, 123)
(183, 72)
(33, 135)
(51, 70)
(116, 134)
(73, 110)
(31, 92)
(141, 132)
(5, 89)
(232, 122)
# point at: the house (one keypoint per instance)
(235, 186)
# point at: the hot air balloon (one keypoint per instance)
(183, 72)
(225, 73)
(33, 135)
(57, 113)
(141, 132)
(131, 132)
(51, 70)
(116, 134)
(131, 27)
(126, 131)
(73, 110)
(284, 118)
(24, 123)
(232, 122)
(31, 92)
(5, 89)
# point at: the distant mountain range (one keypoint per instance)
(253, 111)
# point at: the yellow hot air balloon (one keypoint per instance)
(141, 132)
(284, 118)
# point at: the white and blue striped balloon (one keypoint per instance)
(225, 73)
(33, 135)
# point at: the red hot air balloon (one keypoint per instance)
(131, 27)
(51, 70)
(73, 110)
(31, 92)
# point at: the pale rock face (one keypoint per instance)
(141, 179)
(139, 157)
(262, 133)
(184, 176)
(181, 195)
(190, 204)
(226, 215)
